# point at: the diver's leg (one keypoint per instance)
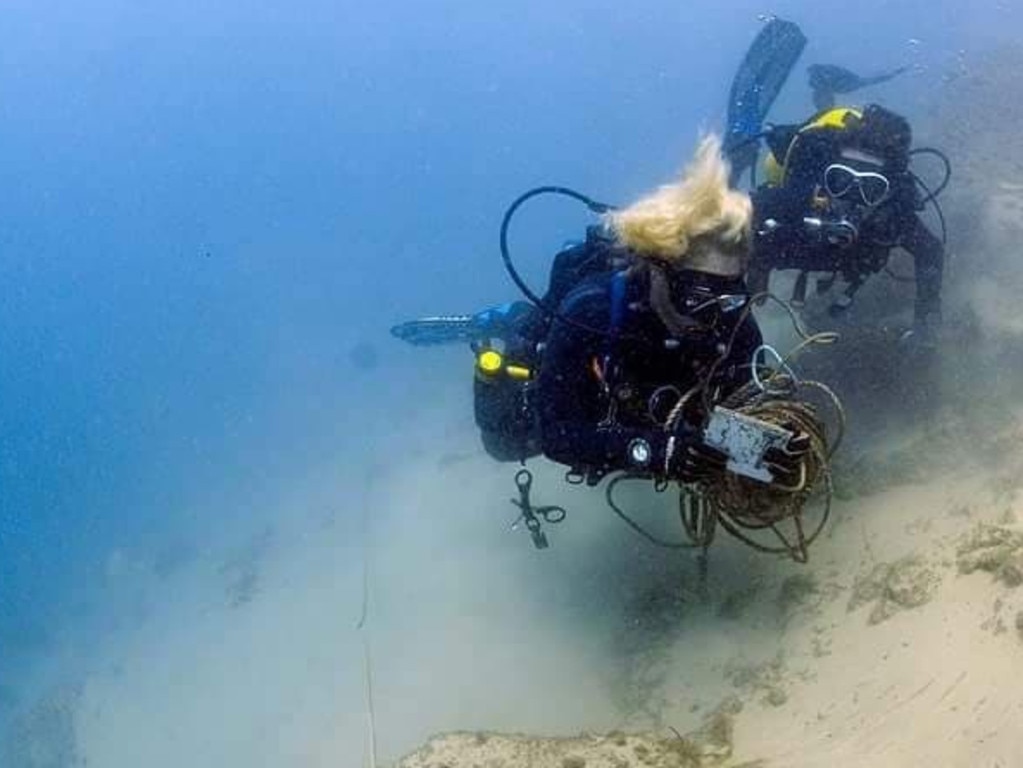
(929, 263)
(921, 376)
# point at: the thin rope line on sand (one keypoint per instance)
(366, 658)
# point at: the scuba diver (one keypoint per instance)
(644, 327)
(838, 198)
(840, 194)
(627, 346)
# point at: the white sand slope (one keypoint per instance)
(901, 643)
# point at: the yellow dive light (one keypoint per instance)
(518, 372)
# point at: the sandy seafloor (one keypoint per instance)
(899, 644)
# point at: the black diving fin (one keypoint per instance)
(829, 80)
(766, 67)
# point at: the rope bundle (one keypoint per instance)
(745, 507)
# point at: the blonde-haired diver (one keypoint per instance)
(645, 325)
(672, 317)
(698, 222)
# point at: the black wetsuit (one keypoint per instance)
(792, 243)
(594, 391)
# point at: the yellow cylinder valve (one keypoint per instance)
(490, 362)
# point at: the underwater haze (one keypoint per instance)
(211, 449)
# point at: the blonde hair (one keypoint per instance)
(680, 223)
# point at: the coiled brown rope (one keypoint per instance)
(744, 507)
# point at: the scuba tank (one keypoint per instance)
(503, 384)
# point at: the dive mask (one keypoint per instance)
(840, 180)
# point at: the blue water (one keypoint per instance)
(205, 208)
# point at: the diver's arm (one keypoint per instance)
(781, 233)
